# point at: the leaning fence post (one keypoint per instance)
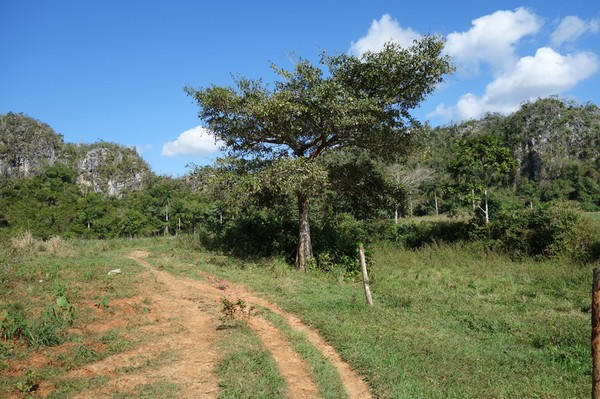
(596, 335)
(365, 275)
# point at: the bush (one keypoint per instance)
(258, 233)
(545, 232)
(339, 235)
(415, 235)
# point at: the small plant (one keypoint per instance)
(103, 304)
(46, 331)
(27, 383)
(60, 288)
(12, 321)
(63, 312)
(232, 312)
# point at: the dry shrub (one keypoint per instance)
(58, 247)
(25, 242)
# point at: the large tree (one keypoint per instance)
(343, 101)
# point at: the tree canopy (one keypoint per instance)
(345, 101)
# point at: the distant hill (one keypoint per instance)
(28, 147)
(555, 141)
(546, 136)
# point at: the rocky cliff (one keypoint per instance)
(28, 147)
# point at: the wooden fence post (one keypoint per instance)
(365, 275)
(596, 335)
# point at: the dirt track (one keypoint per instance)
(183, 337)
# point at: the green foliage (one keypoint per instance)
(416, 235)
(546, 232)
(45, 330)
(343, 102)
(256, 233)
(360, 185)
(359, 102)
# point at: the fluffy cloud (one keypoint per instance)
(381, 32)
(546, 73)
(571, 28)
(194, 142)
(492, 38)
(491, 46)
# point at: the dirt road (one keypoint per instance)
(182, 341)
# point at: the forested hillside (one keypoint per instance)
(555, 143)
(545, 153)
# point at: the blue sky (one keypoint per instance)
(115, 70)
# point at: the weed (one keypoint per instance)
(27, 383)
(102, 304)
(12, 321)
(45, 331)
(22, 241)
(60, 288)
(233, 312)
(58, 247)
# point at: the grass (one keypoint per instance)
(247, 369)
(68, 280)
(448, 321)
(48, 294)
(452, 321)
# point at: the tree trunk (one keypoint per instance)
(437, 208)
(304, 253)
(487, 210)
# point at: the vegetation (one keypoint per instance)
(479, 251)
(248, 370)
(355, 102)
(449, 321)
(547, 160)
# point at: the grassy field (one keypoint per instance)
(448, 321)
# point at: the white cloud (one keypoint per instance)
(381, 32)
(492, 38)
(546, 73)
(198, 141)
(571, 28)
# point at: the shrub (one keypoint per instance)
(545, 232)
(415, 235)
(258, 233)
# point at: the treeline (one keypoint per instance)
(508, 171)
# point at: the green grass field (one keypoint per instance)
(448, 321)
